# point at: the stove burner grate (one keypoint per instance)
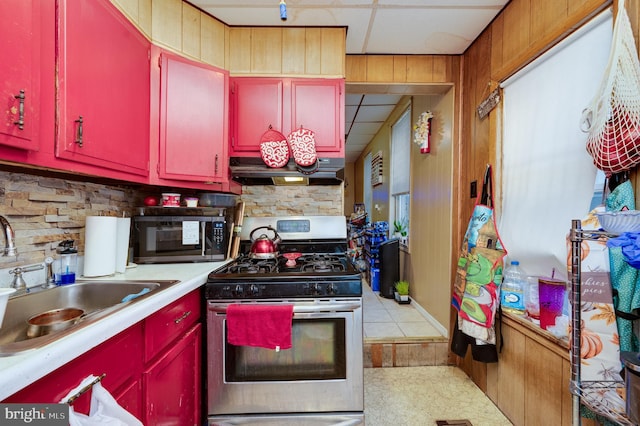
(323, 266)
(253, 266)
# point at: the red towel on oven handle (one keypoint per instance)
(264, 326)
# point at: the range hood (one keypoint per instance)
(253, 171)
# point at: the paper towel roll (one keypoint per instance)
(122, 243)
(100, 246)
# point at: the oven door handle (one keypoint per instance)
(301, 309)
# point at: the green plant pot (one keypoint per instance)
(402, 299)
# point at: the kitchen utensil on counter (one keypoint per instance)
(4, 298)
(212, 199)
(231, 228)
(150, 200)
(551, 299)
(100, 246)
(239, 219)
(170, 199)
(53, 320)
(263, 247)
(618, 222)
(631, 362)
(291, 258)
(191, 201)
(123, 234)
(68, 262)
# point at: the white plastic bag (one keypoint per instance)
(104, 410)
(612, 120)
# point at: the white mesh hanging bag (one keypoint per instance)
(612, 120)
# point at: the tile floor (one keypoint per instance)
(399, 335)
(387, 320)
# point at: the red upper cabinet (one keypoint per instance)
(287, 104)
(20, 71)
(193, 120)
(256, 104)
(104, 88)
(318, 105)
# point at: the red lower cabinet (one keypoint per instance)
(119, 358)
(172, 383)
(153, 368)
(130, 397)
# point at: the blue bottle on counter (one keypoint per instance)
(68, 263)
(514, 282)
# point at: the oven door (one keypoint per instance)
(321, 373)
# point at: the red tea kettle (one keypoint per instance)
(264, 247)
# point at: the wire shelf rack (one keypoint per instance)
(605, 398)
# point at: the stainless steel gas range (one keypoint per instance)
(319, 380)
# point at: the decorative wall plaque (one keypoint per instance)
(489, 103)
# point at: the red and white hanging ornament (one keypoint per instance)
(422, 132)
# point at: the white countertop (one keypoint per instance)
(20, 370)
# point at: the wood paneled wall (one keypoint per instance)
(523, 31)
(398, 69)
(287, 51)
(283, 51)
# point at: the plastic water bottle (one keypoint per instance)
(514, 282)
(531, 298)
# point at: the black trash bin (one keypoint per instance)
(389, 254)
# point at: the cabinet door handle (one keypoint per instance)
(185, 315)
(20, 121)
(216, 165)
(78, 140)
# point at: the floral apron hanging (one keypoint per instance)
(479, 274)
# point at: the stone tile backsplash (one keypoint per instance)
(45, 210)
(293, 200)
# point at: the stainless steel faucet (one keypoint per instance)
(9, 238)
(18, 281)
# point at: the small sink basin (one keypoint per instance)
(98, 299)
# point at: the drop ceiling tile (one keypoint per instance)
(446, 3)
(350, 113)
(375, 112)
(381, 99)
(365, 128)
(353, 99)
(423, 30)
(358, 139)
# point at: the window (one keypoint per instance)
(401, 173)
(547, 175)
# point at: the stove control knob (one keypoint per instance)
(315, 289)
(238, 290)
(331, 288)
(254, 290)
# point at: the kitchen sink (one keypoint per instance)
(98, 299)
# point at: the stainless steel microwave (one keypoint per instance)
(174, 239)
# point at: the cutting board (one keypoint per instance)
(233, 225)
(238, 219)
